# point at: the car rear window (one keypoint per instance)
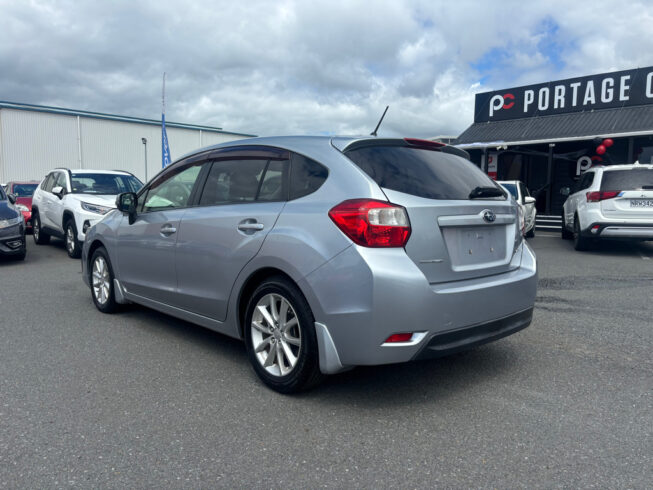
(420, 172)
(627, 180)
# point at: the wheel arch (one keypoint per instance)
(67, 215)
(95, 244)
(248, 287)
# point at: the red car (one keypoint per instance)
(23, 192)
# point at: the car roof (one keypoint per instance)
(314, 146)
(300, 144)
(92, 171)
(21, 182)
(629, 166)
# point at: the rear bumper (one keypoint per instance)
(363, 296)
(445, 343)
(624, 230)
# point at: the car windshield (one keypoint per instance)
(421, 172)
(104, 183)
(627, 180)
(512, 188)
(24, 190)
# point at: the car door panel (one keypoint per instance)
(146, 247)
(146, 254)
(214, 245)
(239, 205)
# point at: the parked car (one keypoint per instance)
(12, 228)
(322, 254)
(614, 202)
(68, 202)
(23, 191)
(527, 203)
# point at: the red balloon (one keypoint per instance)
(600, 149)
(608, 142)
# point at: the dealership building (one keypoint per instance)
(547, 134)
(35, 139)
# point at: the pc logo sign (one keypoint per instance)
(505, 101)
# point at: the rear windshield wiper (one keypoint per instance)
(480, 191)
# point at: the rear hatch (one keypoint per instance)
(627, 194)
(463, 225)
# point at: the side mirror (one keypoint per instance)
(565, 191)
(529, 200)
(58, 191)
(126, 203)
(12, 198)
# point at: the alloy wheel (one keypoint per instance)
(276, 334)
(70, 239)
(101, 280)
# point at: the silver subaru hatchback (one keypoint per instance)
(321, 253)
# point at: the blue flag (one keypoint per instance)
(165, 149)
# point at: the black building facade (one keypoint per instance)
(547, 134)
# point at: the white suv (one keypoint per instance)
(68, 202)
(610, 202)
(527, 203)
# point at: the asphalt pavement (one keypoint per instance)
(142, 400)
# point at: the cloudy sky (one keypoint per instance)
(308, 67)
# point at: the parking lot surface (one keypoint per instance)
(140, 399)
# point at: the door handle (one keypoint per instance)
(168, 230)
(251, 226)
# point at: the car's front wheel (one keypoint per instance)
(73, 246)
(40, 237)
(102, 281)
(280, 337)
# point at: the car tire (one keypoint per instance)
(274, 347)
(581, 243)
(73, 246)
(566, 234)
(101, 280)
(531, 233)
(40, 237)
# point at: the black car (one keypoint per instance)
(12, 228)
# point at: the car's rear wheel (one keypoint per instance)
(73, 246)
(280, 337)
(40, 237)
(102, 281)
(581, 243)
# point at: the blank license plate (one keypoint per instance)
(641, 203)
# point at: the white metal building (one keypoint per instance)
(35, 139)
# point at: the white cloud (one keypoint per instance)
(307, 67)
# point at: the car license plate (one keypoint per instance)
(641, 203)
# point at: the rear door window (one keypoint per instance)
(627, 180)
(248, 180)
(420, 172)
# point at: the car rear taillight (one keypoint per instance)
(399, 337)
(372, 223)
(601, 195)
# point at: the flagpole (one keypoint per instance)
(165, 148)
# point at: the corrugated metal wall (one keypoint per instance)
(33, 143)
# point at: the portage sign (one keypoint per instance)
(604, 91)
